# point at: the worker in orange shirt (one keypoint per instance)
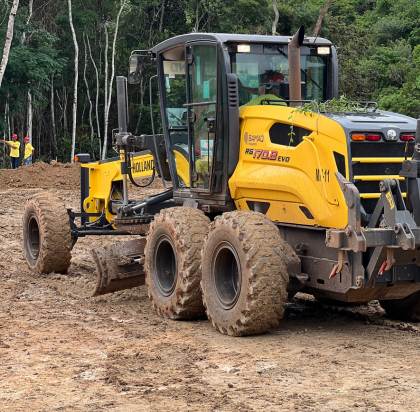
(14, 146)
(29, 151)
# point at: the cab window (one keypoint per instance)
(287, 135)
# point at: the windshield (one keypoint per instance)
(263, 71)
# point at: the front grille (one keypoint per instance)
(375, 161)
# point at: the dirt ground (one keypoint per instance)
(61, 350)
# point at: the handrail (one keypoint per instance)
(199, 103)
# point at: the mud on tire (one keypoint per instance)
(172, 262)
(403, 309)
(47, 238)
(244, 273)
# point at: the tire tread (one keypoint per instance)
(188, 228)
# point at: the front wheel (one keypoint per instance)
(47, 240)
(244, 274)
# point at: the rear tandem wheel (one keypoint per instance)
(245, 273)
(403, 309)
(172, 262)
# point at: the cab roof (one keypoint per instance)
(233, 38)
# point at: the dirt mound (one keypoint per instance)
(42, 175)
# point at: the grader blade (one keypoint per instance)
(119, 266)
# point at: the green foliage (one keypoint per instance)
(31, 65)
(341, 104)
(378, 45)
(406, 98)
(376, 50)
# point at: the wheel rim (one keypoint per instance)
(226, 274)
(165, 266)
(33, 238)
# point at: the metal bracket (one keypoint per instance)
(352, 197)
(388, 262)
(355, 239)
(338, 267)
(405, 237)
(396, 214)
(190, 203)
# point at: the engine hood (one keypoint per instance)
(378, 121)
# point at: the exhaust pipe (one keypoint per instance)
(122, 104)
(295, 87)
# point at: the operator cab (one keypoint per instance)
(204, 79)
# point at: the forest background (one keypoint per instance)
(378, 45)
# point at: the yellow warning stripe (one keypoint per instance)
(374, 195)
(374, 178)
(378, 159)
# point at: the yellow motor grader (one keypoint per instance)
(261, 198)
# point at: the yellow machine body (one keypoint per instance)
(105, 180)
(182, 167)
(293, 183)
(296, 182)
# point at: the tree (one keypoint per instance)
(276, 18)
(9, 39)
(322, 12)
(92, 133)
(108, 93)
(98, 127)
(76, 80)
(30, 106)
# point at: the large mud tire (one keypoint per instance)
(172, 262)
(244, 274)
(403, 309)
(47, 240)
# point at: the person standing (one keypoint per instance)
(14, 145)
(29, 151)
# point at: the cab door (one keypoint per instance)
(202, 86)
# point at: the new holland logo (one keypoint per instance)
(391, 134)
(143, 166)
(253, 138)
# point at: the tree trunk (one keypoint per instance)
(39, 128)
(30, 12)
(23, 40)
(162, 15)
(142, 92)
(54, 130)
(9, 38)
(322, 12)
(276, 18)
(197, 20)
(76, 80)
(9, 131)
(63, 109)
(111, 81)
(6, 134)
(29, 120)
(98, 127)
(92, 132)
(103, 152)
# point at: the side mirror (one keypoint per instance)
(136, 67)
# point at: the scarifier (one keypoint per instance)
(261, 199)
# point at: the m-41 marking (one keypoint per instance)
(322, 175)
